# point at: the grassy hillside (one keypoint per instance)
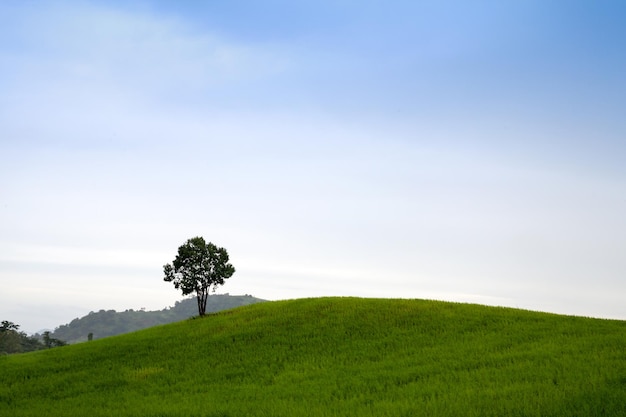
(334, 357)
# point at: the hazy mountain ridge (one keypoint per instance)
(105, 323)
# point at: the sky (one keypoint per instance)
(468, 151)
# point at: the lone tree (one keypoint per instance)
(198, 267)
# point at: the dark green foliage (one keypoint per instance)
(14, 341)
(334, 357)
(51, 342)
(198, 267)
(8, 325)
(105, 323)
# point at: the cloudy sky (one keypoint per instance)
(456, 150)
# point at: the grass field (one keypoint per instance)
(334, 357)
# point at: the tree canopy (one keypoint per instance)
(14, 341)
(198, 267)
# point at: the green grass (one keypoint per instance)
(334, 357)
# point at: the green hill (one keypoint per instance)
(105, 323)
(334, 357)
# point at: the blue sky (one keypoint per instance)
(464, 151)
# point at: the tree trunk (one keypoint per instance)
(202, 299)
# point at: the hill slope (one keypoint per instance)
(334, 357)
(110, 322)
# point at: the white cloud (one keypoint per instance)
(12, 252)
(93, 75)
(95, 43)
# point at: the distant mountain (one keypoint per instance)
(110, 323)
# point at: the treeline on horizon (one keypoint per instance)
(105, 323)
(12, 340)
